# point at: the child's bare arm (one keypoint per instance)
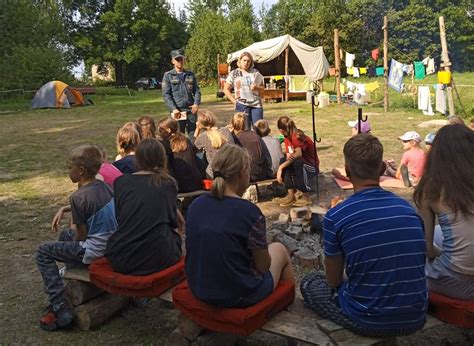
(81, 232)
(58, 217)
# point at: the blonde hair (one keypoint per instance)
(245, 54)
(178, 140)
(128, 138)
(87, 156)
(228, 164)
(207, 120)
(238, 121)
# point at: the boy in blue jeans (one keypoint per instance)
(93, 218)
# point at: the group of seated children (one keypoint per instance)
(411, 166)
(374, 281)
(190, 161)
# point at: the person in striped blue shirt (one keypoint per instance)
(374, 282)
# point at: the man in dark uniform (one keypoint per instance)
(181, 93)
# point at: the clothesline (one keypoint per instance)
(360, 53)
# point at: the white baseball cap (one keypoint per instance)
(411, 136)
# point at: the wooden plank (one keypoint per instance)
(191, 194)
(298, 328)
(168, 295)
(80, 274)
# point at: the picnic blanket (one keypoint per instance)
(384, 182)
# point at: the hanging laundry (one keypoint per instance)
(419, 70)
(356, 72)
(441, 98)
(371, 71)
(424, 100)
(444, 77)
(395, 77)
(332, 71)
(379, 71)
(375, 54)
(350, 59)
(372, 86)
(341, 54)
(409, 69)
(430, 67)
(350, 71)
(362, 70)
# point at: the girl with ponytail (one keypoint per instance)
(146, 240)
(228, 261)
(208, 138)
(301, 164)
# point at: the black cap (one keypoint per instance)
(177, 53)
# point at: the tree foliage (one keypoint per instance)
(33, 45)
(135, 36)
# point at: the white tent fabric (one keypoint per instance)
(312, 59)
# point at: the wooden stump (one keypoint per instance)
(79, 292)
(98, 310)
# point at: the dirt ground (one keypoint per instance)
(22, 299)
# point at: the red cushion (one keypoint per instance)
(102, 275)
(453, 311)
(234, 321)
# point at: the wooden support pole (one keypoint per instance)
(287, 75)
(446, 63)
(79, 292)
(337, 62)
(385, 63)
(99, 310)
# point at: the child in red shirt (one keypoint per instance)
(300, 165)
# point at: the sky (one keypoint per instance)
(256, 4)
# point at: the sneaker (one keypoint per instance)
(299, 194)
(302, 202)
(405, 176)
(58, 317)
(287, 201)
(62, 271)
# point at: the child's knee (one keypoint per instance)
(278, 250)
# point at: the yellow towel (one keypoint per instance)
(372, 86)
(362, 70)
(350, 71)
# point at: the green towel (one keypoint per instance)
(419, 70)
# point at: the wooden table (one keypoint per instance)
(273, 94)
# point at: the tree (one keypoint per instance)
(135, 36)
(33, 49)
(215, 34)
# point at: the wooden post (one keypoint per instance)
(287, 76)
(337, 62)
(385, 63)
(446, 63)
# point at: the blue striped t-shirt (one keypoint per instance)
(381, 238)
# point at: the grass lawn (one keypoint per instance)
(34, 183)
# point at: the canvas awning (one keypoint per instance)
(269, 57)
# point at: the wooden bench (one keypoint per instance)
(262, 182)
(86, 90)
(296, 322)
(183, 195)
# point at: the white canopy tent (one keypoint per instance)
(285, 55)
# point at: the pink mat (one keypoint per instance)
(384, 182)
